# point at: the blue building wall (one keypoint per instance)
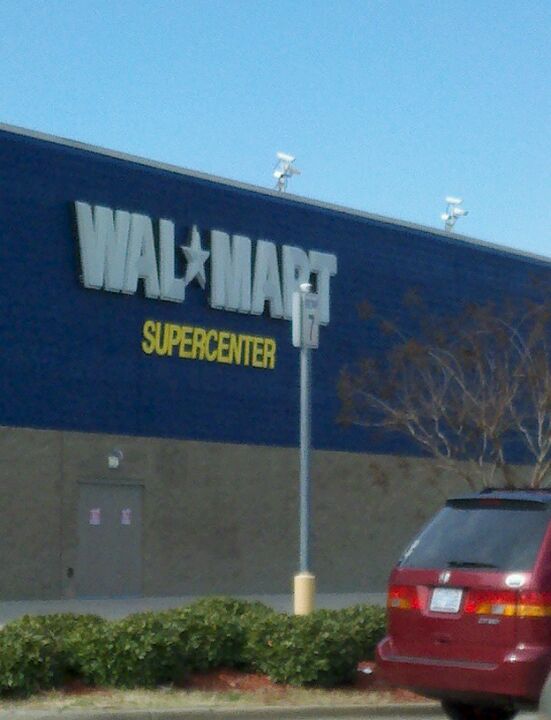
(71, 357)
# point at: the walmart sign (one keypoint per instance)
(119, 248)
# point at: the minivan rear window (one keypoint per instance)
(480, 536)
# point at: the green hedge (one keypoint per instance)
(150, 649)
(44, 651)
(322, 648)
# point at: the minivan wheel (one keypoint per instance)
(465, 711)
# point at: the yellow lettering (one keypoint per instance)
(186, 342)
(175, 335)
(258, 349)
(148, 342)
(223, 355)
(247, 342)
(236, 347)
(269, 353)
(198, 351)
(161, 348)
(197, 343)
(212, 335)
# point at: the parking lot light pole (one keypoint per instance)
(305, 437)
(305, 336)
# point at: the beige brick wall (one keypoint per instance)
(217, 518)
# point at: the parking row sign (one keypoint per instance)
(305, 320)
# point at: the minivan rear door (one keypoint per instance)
(454, 592)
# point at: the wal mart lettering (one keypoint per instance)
(119, 248)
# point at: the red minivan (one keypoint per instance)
(469, 606)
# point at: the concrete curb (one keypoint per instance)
(233, 713)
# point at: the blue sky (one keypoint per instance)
(388, 106)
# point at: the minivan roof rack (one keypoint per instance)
(487, 490)
(509, 496)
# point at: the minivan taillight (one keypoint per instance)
(534, 604)
(403, 597)
(491, 602)
(504, 602)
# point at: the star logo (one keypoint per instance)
(196, 258)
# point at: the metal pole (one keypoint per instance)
(304, 580)
(304, 457)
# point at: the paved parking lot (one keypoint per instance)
(114, 608)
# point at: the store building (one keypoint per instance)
(149, 388)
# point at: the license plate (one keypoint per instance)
(446, 600)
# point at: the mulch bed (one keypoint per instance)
(229, 679)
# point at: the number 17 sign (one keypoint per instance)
(305, 320)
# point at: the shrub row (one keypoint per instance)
(150, 649)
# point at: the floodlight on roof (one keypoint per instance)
(453, 211)
(284, 170)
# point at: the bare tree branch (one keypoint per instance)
(473, 392)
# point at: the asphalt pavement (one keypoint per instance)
(112, 608)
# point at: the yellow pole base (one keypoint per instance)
(305, 591)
